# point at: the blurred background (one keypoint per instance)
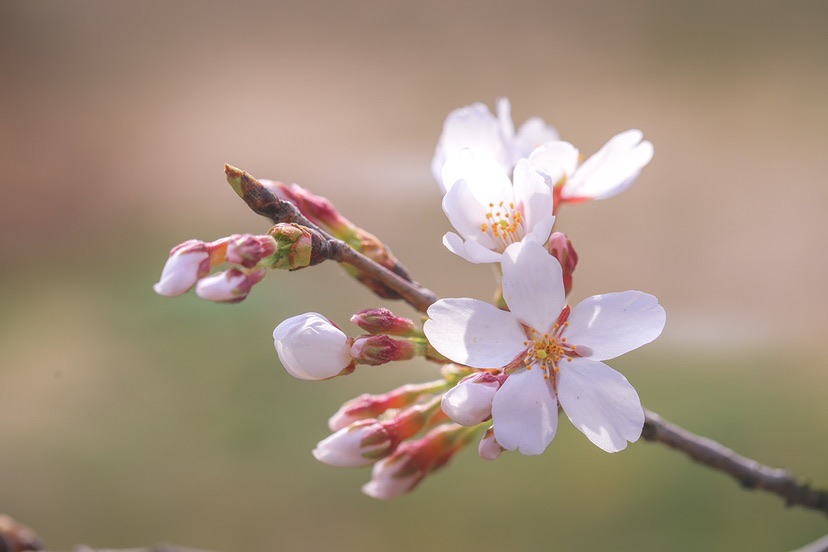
(127, 418)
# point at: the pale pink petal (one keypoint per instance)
(606, 326)
(181, 272)
(532, 195)
(504, 117)
(556, 160)
(346, 448)
(474, 333)
(222, 286)
(542, 230)
(489, 448)
(612, 169)
(387, 482)
(311, 347)
(533, 285)
(601, 403)
(525, 412)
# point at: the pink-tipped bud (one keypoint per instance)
(401, 472)
(561, 248)
(230, 286)
(489, 448)
(383, 321)
(187, 263)
(470, 402)
(311, 347)
(373, 406)
(379, 349)
(248, 250)
(317, 209)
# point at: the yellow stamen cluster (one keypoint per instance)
(504, 223)
(548, 350)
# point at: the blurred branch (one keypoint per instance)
(820, 545)
(749, 473)
(261, 201)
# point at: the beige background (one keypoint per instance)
(116, 119)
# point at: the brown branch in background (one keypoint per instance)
(378, 278)
(749, 473)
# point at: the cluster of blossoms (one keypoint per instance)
(506, 369)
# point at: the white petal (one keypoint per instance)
(470, 250)
(531, 135)
(601, 403)
(533, 285)
(470, 402)
(542, 230)
(555, 160)
(386, 481)
(504, 117)
(474, 333)
(532, 195)
(469, 127)
(466, 213)
(612, 169)
(525, 412)
(606, 326)
(310, 347)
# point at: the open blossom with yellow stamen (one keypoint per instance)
(551, 354)
(489, 212)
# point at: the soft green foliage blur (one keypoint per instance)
(128, 419)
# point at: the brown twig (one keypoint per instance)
(749, 473)
(261, 201)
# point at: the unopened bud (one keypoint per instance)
(296, 247)
(561, 248)
(247, 250)
(489, 448)
(311, 347)
(383, 321)
(373, 406)
(187, 262)
(379, 349)
(230, 286)
(470, 402)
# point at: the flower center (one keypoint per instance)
(546, 350)
(504, 224)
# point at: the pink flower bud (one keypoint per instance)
(312, 348)
(489, 448)
(401, 472)
(380, 349)
(230, 286)
(187, 262)
(470, 402)
(561, 248)
(247, 250)
(383, 321)
(355, 446)
(317, 209)
(373, 406)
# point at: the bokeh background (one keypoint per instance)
(128, 418)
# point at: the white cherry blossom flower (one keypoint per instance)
(489, 212)
(312, 348)
(608, 172)
(475, 127)
(552, 354)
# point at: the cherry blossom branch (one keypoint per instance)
(749, 473)
(262, 202)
